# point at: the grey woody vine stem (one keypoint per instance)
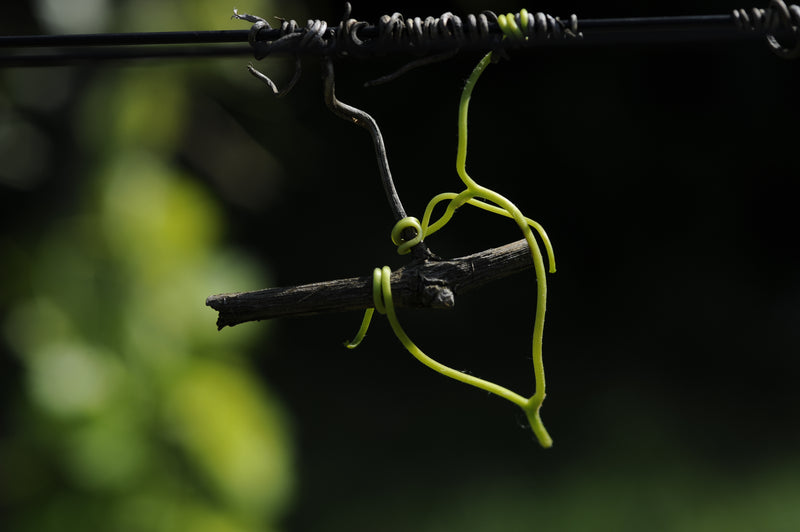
(361, 118)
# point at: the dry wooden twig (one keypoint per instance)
(431, 283)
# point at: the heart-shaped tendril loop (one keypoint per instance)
(489, 200)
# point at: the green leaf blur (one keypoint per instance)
(137, 414)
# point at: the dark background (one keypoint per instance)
(666, 177)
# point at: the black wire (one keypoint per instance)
(677, 23)
(66, 57)
(124, 39)
(15, 51)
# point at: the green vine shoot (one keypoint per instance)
(487, 199)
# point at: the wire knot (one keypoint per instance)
(524, 26)
(290, 36)
(777, 17)
(422, 33)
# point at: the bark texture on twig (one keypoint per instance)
(431, 283)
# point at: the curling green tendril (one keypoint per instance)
(484, 198)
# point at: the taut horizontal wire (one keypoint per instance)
(240, 36)
(125, 39)
(92, 55)
(49, 50)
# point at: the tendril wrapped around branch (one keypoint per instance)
(471, 195)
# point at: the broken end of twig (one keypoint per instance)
(218, 303)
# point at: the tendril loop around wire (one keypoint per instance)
(446, 35)
(421, 34)
(777, 17)
(447, 32)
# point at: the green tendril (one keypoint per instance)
(456, 200)
(404, 246)
(508, 24)
(489, 200)
(362, 331)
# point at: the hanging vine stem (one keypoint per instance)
(364, 120)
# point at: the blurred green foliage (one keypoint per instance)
(137, 415)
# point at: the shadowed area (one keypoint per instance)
(664, 174)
